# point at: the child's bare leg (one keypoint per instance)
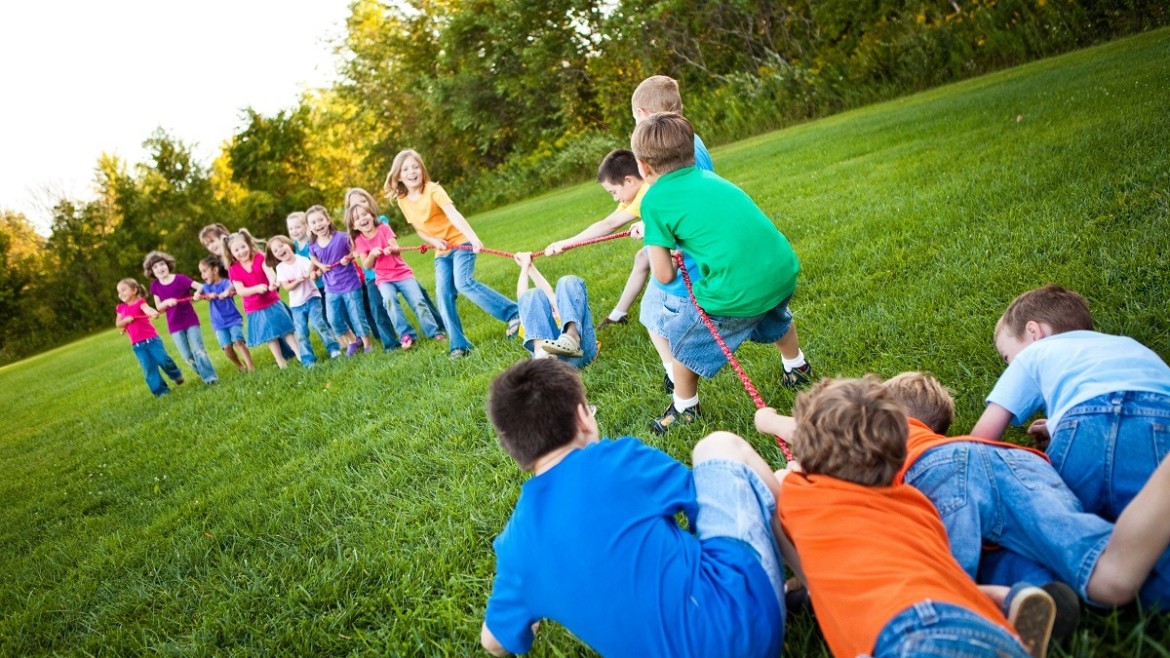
(346, 338)
(230, 353)
(366, 344)
(1140, 537)
(789, 343)
(291, 341)
(634, 285)
(246, 355)
(274, 345)
(686, 382)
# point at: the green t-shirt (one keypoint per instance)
(747, 265)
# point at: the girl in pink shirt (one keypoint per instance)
(268, 319)
(134, 316)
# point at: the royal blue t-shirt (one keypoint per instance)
(224, 312)
(594, 545)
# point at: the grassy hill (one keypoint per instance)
(349, 509)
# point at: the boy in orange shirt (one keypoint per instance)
(874, 553)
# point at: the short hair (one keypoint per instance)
(658, 93)
(213, 262)
(297, 214)
(616, 165)
(155, 257)
(133, 283)
(365, 196)
(665, 142)
(270, 258)
(925, 399)
(852, 430)
(394, 187)
(533, 406)
(1061, 308)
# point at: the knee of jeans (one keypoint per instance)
(720, 445)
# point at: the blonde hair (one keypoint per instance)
(925, 399)
(852, 430)
(366, 196)
(349, 227)
(394, 186)
(658, 93)
(242, 234)
(665, 142)
(1060, 308)
(270, 258)
(139, 289)
(297, 214)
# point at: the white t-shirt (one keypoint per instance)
(303, 291)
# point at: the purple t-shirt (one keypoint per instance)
(182, 315)
(340, 279)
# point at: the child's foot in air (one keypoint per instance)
(564, 345)
(1032, 612)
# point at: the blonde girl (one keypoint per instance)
(332, 253)
(268, 319)
(296, 274)
(133, 318)
(430, 211)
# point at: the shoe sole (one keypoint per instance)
(1033, 613)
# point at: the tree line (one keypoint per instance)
(507, 98)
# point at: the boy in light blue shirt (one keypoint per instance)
(1107, 397)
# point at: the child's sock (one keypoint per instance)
(793, 364)
(682, 404)
(616, 316)
(669, 367)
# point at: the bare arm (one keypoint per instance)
(460, 223)
(435, 242)
(661, 264)
(368, 259)
(992, 423)
(768, 421)
(612, 222)
(529, 271)
(490, 643)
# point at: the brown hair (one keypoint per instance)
(324, 211)
(533, 406)
(133, 283)
(213, 231)
(658, 93)
(852, 430)
(214, 262)
(349, 227)
(366, 196)
(1061, 308)
(665, 142)
(154, 257)
(616, 165)
(394, 185)
(925, 399)
(270, 258)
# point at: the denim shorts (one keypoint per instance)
(734, 502)
(693, 346)
(929, 628)
(229, 335)
(657, 308)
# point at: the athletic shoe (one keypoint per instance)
(673, 416)
(457, 353)
(406, 341)
(608, 322)
(1032, 612)
(353, 348)
(1068, 610)
(335, 354)
(797, 377)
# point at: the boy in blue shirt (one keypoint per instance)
(593, 542)
(1107, 397)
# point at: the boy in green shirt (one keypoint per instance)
(748, 269)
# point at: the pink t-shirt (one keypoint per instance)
(389, 267)
(244, 279)
(140, 329)
(303, 291)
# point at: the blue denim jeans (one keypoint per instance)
(312, 312)
(189, 342)
(345, 312)
(152, 356)
(1012, 498)
(412, 292)
(229, 335)
(692, 345)
(1106, 448)
(536, 316)
(944, 630)
(376, 312)
(454, 272)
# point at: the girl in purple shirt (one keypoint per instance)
(332, 253)
(172, 293)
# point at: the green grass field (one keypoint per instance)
(349, 509)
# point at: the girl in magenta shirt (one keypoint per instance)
(268, 319)
(134, 316)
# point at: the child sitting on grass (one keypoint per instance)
(987, 491)
(593, 542)
(555, 323)
(749, 268)
(1107, 397)
(874, 552)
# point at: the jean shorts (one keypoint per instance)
(657, 308)
(229, 335)
(693, 346)
(735, 503)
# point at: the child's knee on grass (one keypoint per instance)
(720, 445)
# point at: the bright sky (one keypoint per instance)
(84, 77)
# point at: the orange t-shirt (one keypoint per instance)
(426, 214)
(922, 438)
(870, 553)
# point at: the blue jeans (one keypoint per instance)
(1012, 498)
(453, 276)
(313, 312)
(345, 312)
(412, 292)
(190, 345)
(536, 316)
(228, 335)
(1106, 448)
(376, 310)
(692, 345)
(941, 629)
(152, 356)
